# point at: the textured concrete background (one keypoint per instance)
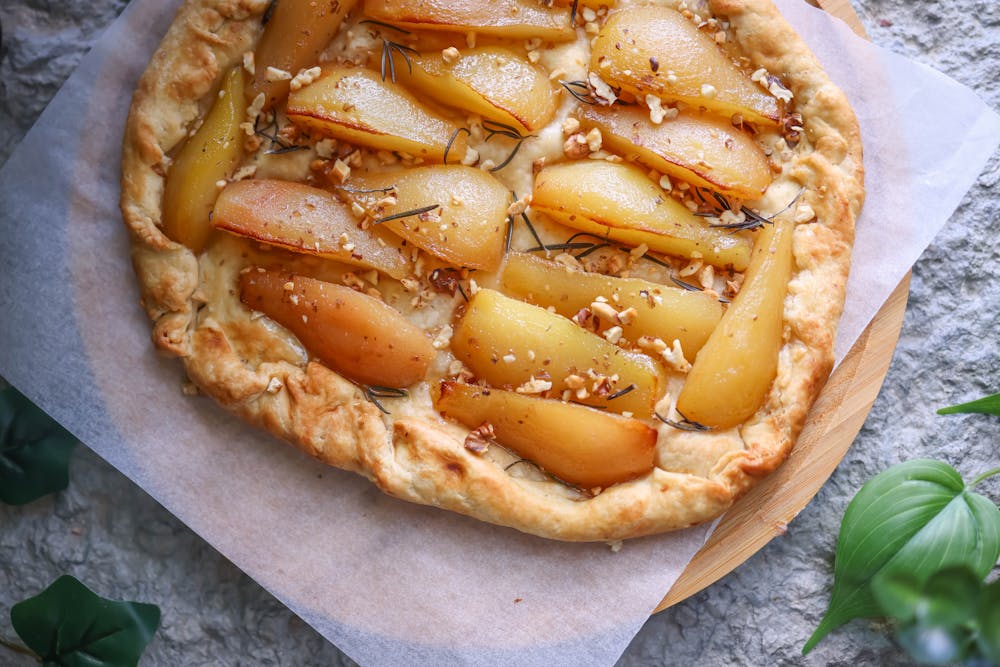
(111, 535)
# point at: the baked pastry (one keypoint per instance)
(518, 260)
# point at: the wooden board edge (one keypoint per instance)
(835, 421)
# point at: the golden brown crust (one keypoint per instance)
(424, 460)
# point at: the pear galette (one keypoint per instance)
(570, 267)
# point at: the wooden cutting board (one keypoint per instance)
(833, 424)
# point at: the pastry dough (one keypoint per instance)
(258, 370)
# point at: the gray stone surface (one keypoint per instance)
(109, 533)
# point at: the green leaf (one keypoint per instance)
(34, 451)
(990, 405)
(910, 520)
(69, 625)
(989, 622)
(935, 645)
(950, 598)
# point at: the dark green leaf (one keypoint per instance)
(899, 596)
(913, 519)
(935, 645)
(69, 625)
(989, 622)
(990, 405)
(950, 598)
(34, 451)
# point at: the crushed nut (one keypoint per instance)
(675, 358)
(275, 74)
(304, 77)
(479, 439)
(519, 206)
(534, 386)
(443, 338)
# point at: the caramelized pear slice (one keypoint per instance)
(508, 342)
(355, 105)
(295, 35)
(511, 19)
(491, 81)
(579, 445)
(700, 149)
(734, 370)
(306, 220)
(355, 334)
(659, 311)
(208, 157)
(654, 50)
(619, 202)
(468, 227)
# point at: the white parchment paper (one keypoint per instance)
(389, 583)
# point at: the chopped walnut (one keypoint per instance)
(340, 170)
(519, 206)
(443, 338)
(479, 439)
(570, 126)
(576, 146)
(534, 386)
(276, 74)
(248, 63)
(603, 93)
(675, 358)
(305, 77)
(594, 140)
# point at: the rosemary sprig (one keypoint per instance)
(621, 392)
(268, 13)
(684, 424)
(753, 219)
(361, 191)
(389, 51)
(451, 141)
(493, 128)
(527, 221)
(275, 138)
(383, 24)
(373, 392)
(580, 90)
(572, 12)
(509, 235)
(685, 285)
(406, 214)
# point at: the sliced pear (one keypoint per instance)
(735, 369)
(356, 105)
(508, 342)
(468, 227)
(618, 201)
(208, 157)
(491, 81)
(511, 19)
(655, 50)
(701, 149)
(295, 35)
(353, 333)
(669, 313)
(306, 220)
(578, 445)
